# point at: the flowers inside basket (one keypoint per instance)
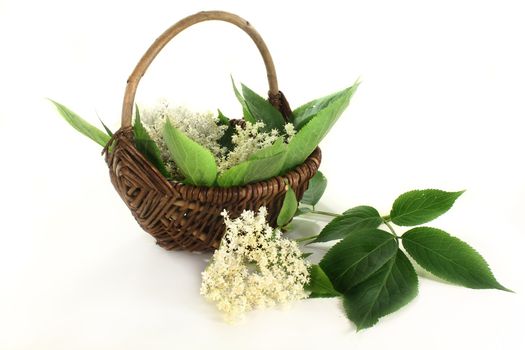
(204, 182)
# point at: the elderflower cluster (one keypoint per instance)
(290, 131)
(246, 141)
(249, 139)
(255, 267)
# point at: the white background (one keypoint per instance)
(441, 105)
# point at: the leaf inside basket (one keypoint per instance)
(81, 125)
(319, 124)
(263, 111)
(226, 139)
(195, 162)
(245, 111)
(263, 164)
(145, 145)
(303, 114)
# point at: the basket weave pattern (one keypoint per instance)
(186, 217)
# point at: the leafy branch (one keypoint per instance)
(367, 267)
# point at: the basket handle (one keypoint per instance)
(275, 96)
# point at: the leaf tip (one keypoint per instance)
(55, 103)
(504, 289)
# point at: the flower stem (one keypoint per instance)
(306, 238)
(325, 213)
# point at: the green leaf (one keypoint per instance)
(226, 139)
(147, 147)
(261, 165)
(306, 140)
(320, 285)
(245, 111)
(288, 209)
(194, 161)
(303, 114)
(263, 111)
(353, 220)
(390, 288)
(449, 258)
(316, 188)
(277, 147)
(108, 131)
(81, 125)
(358, 256)
(421, 206)
(222, 118)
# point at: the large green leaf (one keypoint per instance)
(303, 114)
(261, 165)
(316, 188)
(306, 140)
(145, 145)
(421, 206)
(194, 161)
(353, 220)
(449, 258)
(288, 208)
(358, 256)
(386, 291)
(81, 125)
(245, 111)
(320, 285)
(262, 110)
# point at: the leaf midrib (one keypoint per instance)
(358, 261)
(383, 284)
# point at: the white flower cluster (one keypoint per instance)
(255, 267)
(245, 142)
(290, 131)
(205, 129)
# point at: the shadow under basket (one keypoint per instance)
(186, 217)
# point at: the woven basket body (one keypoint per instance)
(186, 217)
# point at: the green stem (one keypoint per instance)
(390, 228)
(306, 238)
(325, 213)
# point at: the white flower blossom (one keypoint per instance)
(247, 141)
(254, 267)
(290, 131)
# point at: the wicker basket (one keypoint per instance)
(186, 217)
